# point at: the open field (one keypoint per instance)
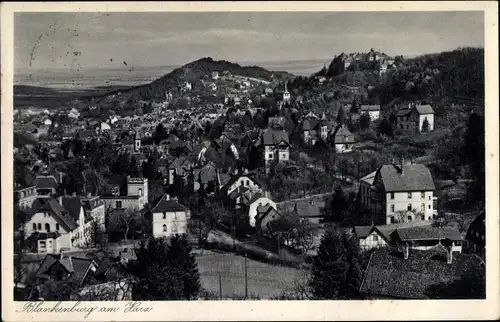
(264, 280)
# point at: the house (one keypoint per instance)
(94, 208)
(400, 193)
(46, 185)
(372, 110)
(475, 240)
(365, 187)
(26, 196)
(258, 199)
(66, 268)
(243, 179)
(169, 217)
(265, 216)
(413, 274)
(205, 178)
(65, 217)
(215, 75)
(413, 118)
(370, 237)
(136, 198)
(342, 139)
(314, 130)
(273, 145)
(425, 238)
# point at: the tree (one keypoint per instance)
(385, 127)
(134, 168)
(338, 205)
(354, 107)
(364, 121)
(160, 133)
(336, 272)
(425, 125)
(165, 270)
(341, 116)
(473, 151)
(97, 238)
(122, 221)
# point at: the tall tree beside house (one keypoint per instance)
(336, 272)
(338, 205)
(150, 169)
(354, 107)
(165, 270)
(386, 128)
(364, 121)
(341, 116)
(425, 125)
(160, 133)
(473, 152)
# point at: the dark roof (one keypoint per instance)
(403, 112)
(424, 109)
(78, 267)
(478, 226)
(343, 135)
(60, 213)
(235, 178)
(415, 177)
(43, 235)
(45, 182)
(310, 124)
(363, 231)
(73, 206)
(274, 137)
(365, 108)
(422, 233)
(206, 174)
(389, 274)
(237, 192)
(306, 209)
(166, 205)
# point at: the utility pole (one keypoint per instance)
(246, 277)
(220, 286)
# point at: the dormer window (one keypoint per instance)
(164, 215)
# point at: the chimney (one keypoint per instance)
(406, 251)
(61, 255)
(167, 197)
(449, 255)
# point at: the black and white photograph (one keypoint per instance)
(191, 156)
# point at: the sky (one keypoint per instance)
(45, 41)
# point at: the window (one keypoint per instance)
(392, 220)
(429, 197)
(57, 227)
(270, 156)
(392, 195)
(409, 207)
(409, 195)
(422, 206)
(42, 244)
(118, 204)
(140, 191)
(392, 208)
(248, 182)
(164, 228)
(34, 226)
(375, 238)
(174, 228)
(164, 215)
(429, 206)
(422, 195)
(47, 227)
(409, 218)
(39, 226)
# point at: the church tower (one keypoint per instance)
(286, 94)
(137, 142)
